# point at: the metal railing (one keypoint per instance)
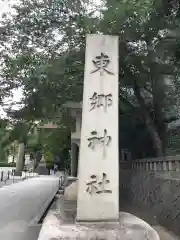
(61, 182)
(9, 177)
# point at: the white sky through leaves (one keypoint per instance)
(16, 94)
(5, 6)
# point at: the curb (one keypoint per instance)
(38, 217)
(51, 214)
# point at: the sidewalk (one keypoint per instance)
(9, 182)
(15, 179)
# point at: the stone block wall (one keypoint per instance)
(152, 193)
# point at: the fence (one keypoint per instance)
(167, 163)
(8, 177)
(152, 187)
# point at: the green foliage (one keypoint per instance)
(4, 136)
(44, 46)
(41, 59)
(5, 164)
(49, 159)
(173, 141)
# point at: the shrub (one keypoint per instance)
(5, 164)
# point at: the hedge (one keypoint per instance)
(5, 164)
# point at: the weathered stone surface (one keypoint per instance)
(158, 195)
(98, 190)
(128, 228)
(20, 160)
(70, 192)
(41, 168)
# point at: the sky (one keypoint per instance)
(4, 6)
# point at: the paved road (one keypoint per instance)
(23, 203)
(9, 182)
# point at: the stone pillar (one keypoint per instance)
(74, 159)
(122, 155)
(78, 124)
(98, 173)
(20, 159)
(177, 164)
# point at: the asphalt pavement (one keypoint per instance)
(22, 205)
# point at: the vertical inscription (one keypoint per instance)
(98, 180)
(95, 139)
(97, 187)
(100, 101)
(101, 63)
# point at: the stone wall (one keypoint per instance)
(153, 193)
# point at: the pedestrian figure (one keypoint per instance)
(2, 173)
(55, 169)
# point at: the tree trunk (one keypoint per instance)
(159, 95)
(157, 143)
(38, 156)
(20, 160)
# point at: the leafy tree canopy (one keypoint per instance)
(44, 46)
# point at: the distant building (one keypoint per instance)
(12, 158)
(75, 110)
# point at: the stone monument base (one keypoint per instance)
(129, 227)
